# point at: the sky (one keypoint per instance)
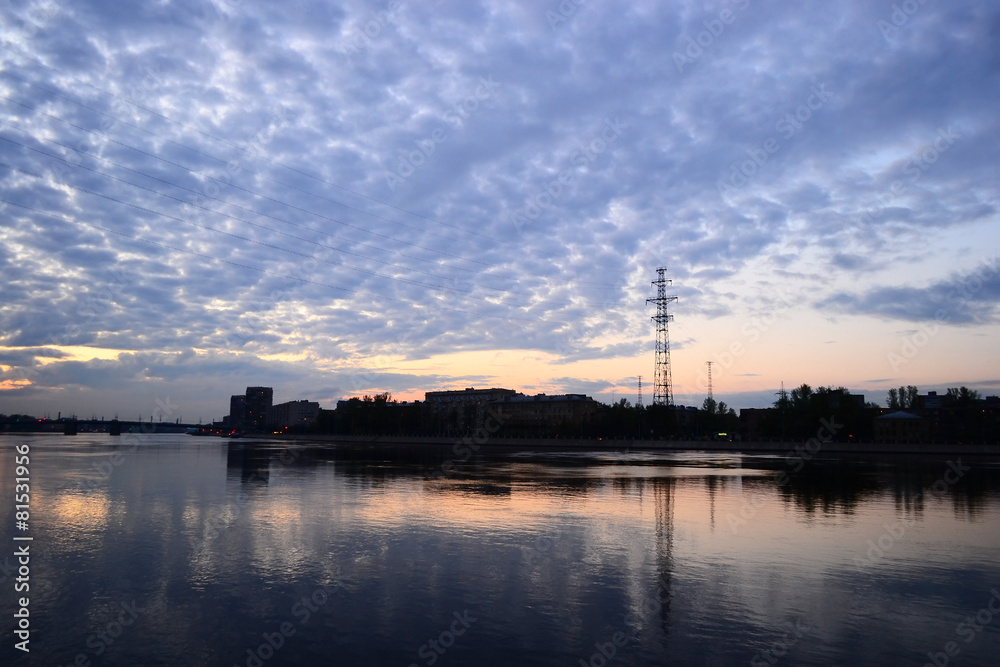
(345, 198)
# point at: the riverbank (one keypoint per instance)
(607, 444)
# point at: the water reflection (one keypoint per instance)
(663, 494)
(559, 556)
(252, 463)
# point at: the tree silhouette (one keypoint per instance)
(904, 398)
(799, 414)
(963, 395)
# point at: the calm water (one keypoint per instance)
(197, 551)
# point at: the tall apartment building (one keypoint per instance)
(237, 412)
(258, 400)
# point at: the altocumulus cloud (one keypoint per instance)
(202, 186)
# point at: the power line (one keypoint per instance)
(263, 244)
(208, 196)
(264, 227)
(227, 143)
(228, 183)
(242, 238)
(236, 146)
(275, 274)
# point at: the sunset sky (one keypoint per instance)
(340, 198)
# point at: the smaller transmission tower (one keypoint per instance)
(663, 391)
(638, 401)
(709, 380)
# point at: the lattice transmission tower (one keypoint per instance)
(710, 380)
(663, 390)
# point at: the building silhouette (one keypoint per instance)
(237, 418)
(259, 399)
(901, 427)
(462, 410)
(557, 415)
(249, 411)
(292, 414)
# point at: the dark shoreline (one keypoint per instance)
(779, 447)
(608, 444)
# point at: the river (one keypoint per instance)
(176, 550)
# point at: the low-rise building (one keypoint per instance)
(901, 427)
(461, 411)
(292, 414)
(560, 414)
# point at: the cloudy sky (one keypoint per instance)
(340, 198)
